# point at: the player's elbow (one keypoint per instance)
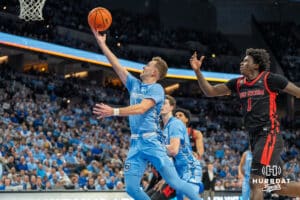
(209, 93)
(141, 110)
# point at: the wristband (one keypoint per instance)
(116, 111)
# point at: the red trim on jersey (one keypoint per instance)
(238, 84)
(272, 105)
(253, 81)
(249, 106)
(273, 113)
(271, 138)
(268, 149)
(191, 131)
(266, 83)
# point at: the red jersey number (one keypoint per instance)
(249, 106)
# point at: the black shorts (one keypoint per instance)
(266, 150)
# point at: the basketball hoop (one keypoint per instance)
(31, 10)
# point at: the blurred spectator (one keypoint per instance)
(209, 179)
(90, 184)
(101, 185)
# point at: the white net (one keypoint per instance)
(31, 10)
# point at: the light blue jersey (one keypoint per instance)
(247, 171)
(145, 145)
(149, 121)
(187, 166)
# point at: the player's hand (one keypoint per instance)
(100, 37)
(196, 155)
(195, 62)
(240, 176)
(159, 185)
(102, 110)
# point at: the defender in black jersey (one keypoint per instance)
(257, 90)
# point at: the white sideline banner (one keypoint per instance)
(88, 195)
(65, 196)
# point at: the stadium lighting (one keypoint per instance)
(3, 59)
(82, 74)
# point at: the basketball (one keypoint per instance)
(99, 19)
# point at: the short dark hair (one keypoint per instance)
(172, 100)
(260, 57)
(162, 66)
(186, 113)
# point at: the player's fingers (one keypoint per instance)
(96, 109)
(101, 106)
(97, 105)
(154, 188)
(95, 32)
(194, 55)
(160, 187)
(97, 113)
(202, 58)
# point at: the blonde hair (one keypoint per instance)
(161, 65)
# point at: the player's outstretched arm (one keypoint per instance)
(292, 89)
(199, 144)
(103, 110)
(206, 87)
(241, 172)
(119, 69)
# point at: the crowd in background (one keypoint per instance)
(284, 39)
(146, 30)
(127, 29)
(48, 142)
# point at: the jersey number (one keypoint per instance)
(249, 106)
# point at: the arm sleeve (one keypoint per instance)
(231, 84)
(156, 92)
(276, 82)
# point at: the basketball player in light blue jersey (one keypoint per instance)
(244, 173)
(179, 147)
(146, 100)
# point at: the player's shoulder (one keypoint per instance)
(177, 122)
(154, 86)
(158, 85)
(273, 75)
(197, 132)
